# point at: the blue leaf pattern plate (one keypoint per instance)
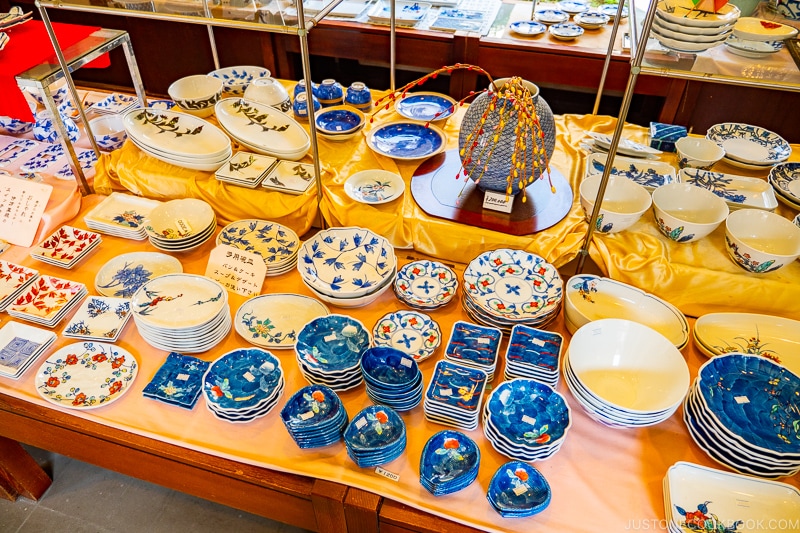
(649, 174)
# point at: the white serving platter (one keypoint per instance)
(263, 128)
(176, 133)
(737, 191)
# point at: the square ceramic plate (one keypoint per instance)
(290, 177)
(66, 246)
(124, 211)
(99, 318)
(246, 168)
(19, 345)
(179, 381)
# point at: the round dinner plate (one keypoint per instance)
(527, 27)
(425, 106)
(123, 275)
(274, 320)
(406, 140)
(748, 144)
(374, 186)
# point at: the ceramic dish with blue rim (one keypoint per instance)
(649, 174)
(518, 490)
(750, 144)
(425, 284)
(457, 387)
(332, 344)
(404, 12)
(551, 16)
(591, 20)
(527, 27)
(473, 345)
(241, 379)
(611, 10)
(178, 381)
(449, 462)
(425, 106)
(274, 320)
(376, 435)
(412, 332)
(374, 186)
(565, 31)
(274, 242)
(406, 141)
(535, 348)
(573, 8)
(737, 191)
(339, 120)
(785, 179)
(513, 284)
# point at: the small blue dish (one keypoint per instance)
(406, 140)
(474, 345)
(534, 347)
(339, 120)
(179, 381)
(449, 462)
(426, 107)
(389, 368)
(375, 436)
(332, 344)
(528, 27)
(518, 490)
(242, 379)
(458, 387)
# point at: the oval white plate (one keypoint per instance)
(176, 133)
(273, 320)
(178, 301)
(737, 191)
(374, 186)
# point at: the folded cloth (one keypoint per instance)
(29, 47)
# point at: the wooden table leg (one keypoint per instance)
(327, 499)
(361, 511)
(20, 475)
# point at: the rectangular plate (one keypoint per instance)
(649, 174)
(290, 176)
(737, 191)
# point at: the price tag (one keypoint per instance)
(182, 377)
(183, 226)
(249, 377)
(529, 420)
(330, 338)
(388, 475)
(361, 422)
(741, 399)
(484, 340)
(446, 392)
(239, 271)
(406, 362)
(498, 202)
(306, 416)
(520, 489)
(538, 342)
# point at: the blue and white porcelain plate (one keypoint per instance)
(123, 275)
(474, 345)
(274, 242)
(785, 179)
(425, 106)
(535, 347)
(574, 8)
(242, 379)
(737, 191)
(374, 186)
(339, 120)
(426, 284)
(566, 31)
(406, 140)
(750, 144)
(611, 10)
(551, 16)
(179, 381)
(649, 174)
(414, 333)
(99, 318)
(513, 284)
(236, 79)
(527, 27)
(404, 12)
(591, 20)
(274, 320)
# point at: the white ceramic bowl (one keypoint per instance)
(196, 94)
(686, 212)
(236, 79)
(269, 91)
(698, 152)
(760, 241)
(195, 216)
(623, 204)
(108, 132)
(629, 366)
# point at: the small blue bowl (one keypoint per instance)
(517, 490)
(389, 368)
(449, 462)
(339, 120)
(242, 379)
(332, 343)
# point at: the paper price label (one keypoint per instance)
(446, 392)
(330, 338)
(528, 420)
(406, 362)
(182, 377)
(498, 202)
(741, 399)
(520, 489)
(538, 342)
(249, 377)
(183, 226)
(306, 416)
(484, 340)
(361, 422)
(388, 475)
(239, 271)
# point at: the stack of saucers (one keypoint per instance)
(375, 436)
(314, 417)
(474, 346)
(21, 345)
(276, 243)
(679, 25)
(243, 385)
(47, 300)
(533, 353)
(347, 267)
(750, 147)
(505, 287)
(454, 394)
(785, 180)
(14, 279)
(329, 350)
(182, 313)
(742, 411)
(414, 333)
(121, 215)
(181, 225)
(425, 285)
(66, 246)
(449, 462)
(518, 490)
(526, 420)
(392, 377)
(262, 128)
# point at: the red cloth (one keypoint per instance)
(29, 46)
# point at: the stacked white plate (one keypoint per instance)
(114, 104)
(749, 147)
(178, 138)
(181, 313)
(21, 345)
(742, 411)
(47, 300)
(453, 397)
(474, 346)
(181, 225)
(66, 246)
(526, 420)
(752, 49)
(121, 215)
(425, 285)
(347, 267)
(535, 354)
(679, 25)
(276, 243)
(506, 287)
(14, 279)
(243, 385)
(785, 181)
(262, 128)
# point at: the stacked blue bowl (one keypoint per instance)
(375, 436)
(314, 416)
(392, 377)
(518, 490)
(449, 462)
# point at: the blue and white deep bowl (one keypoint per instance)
(236, 79)
(45, 129)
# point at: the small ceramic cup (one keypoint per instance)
(330, 93)
(359, 96)
(300, 106)
(45, 128)
(269, 91)
(108, 131)
(698, 152)
(301, 88)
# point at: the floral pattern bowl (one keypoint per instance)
(449, 462)
(761, 241)
(242, 379)
(329, 351)
(376, 435)
(624, 202)
(687, 213)
(517, 490)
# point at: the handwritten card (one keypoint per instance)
(22, 205)
(237, 270)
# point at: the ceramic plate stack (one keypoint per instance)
(243, 385)
(121, 215)
(742, 411)
(274, 320)
(329, 350)
(425, 285)
(181, 225)
(504, 287)
(181, 313)
(785, 180)
(179, 381)
(314, 417)
(535, 354)
(66, 246)
(262, 128)
(518, 490)
(47, 300)
(414, 333)
(178, 138)
(679, 25)
(375, 436)
(21, 345)
(454, 394)
(449, 462)
(276, 243)
(14, 279)
(749, 147)
(114, 104)
(392, 378)
(526, 420)
(474, 346)
(347, 267)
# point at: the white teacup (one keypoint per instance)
(269, 91)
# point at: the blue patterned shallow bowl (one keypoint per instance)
(374, 429)
(750, 144)
(389, 368)
(414, 333)
(242, 379)
(236, 79)
(449, 459)
(339, 120)
(517, 489)
(426, 284)
(406, 140)
(332, 343)
(314, 405)
(426, 107)
(785, 179)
